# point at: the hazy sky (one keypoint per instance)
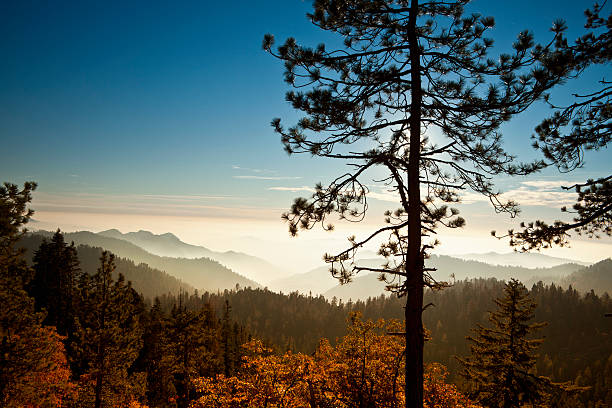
(155, 115)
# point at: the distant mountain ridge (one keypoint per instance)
(170, 245)
(150, 282)
(319, 280)
(526, 259)
(597, 277)
(201, 273)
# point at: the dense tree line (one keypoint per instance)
(576, 335)
(363, 369)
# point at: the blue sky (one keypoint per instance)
(152, 109)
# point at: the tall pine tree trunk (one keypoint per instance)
(414, 259)
(99, 378)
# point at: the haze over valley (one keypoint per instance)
(200, 268)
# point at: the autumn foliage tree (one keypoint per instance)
(365, 369)
(406, 69)
(49, 382)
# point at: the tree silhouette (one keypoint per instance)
(194, 340)
(55, 270)
(500, 368)
(406, 70)
(585, 124)
(33, 369)
(109, 336)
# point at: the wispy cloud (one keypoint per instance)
(249, 177)
(525, 196)
(380, 196)
(252, 170)
(383, 196)
(146, 204)
(541, 193)
(185, 197)
(293, 189)
(547, 184)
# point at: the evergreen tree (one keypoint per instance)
(33, 368)
(406, 68)
(194, 340)
(231, 340)
(14, 214)
(585, 124)
(500, 370)
(156, 357)
(109, 337)
(17, 315)
(55, 269)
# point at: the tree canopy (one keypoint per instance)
(583, 125)
(413, 94)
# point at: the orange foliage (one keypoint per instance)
(438, 394)
(364, 369)
(49, 384)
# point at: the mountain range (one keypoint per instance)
(320, 282)
(204, 269)
(524, 259)
(201, 273)
(169, 245)
(150, 282)
(597, 277)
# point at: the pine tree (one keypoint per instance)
(583, 125)
(33, 368)
(231, 340)
(109, 337)
(406, 68)
(156, 358)
(194, 343)
(500, 370)
(56, 266)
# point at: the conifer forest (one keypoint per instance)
(407, 112)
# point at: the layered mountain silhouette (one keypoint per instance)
(150, 282)
(527, 259)
(319, 280)
(169, 245)
(201, 273)
(193, 266)
(597, 277)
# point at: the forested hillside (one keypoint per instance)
(524, 259)
(170, 245)
(576, 325)
(449, 269)
(176, 344)
(150, 282)
(597, 277)
(201, 273)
